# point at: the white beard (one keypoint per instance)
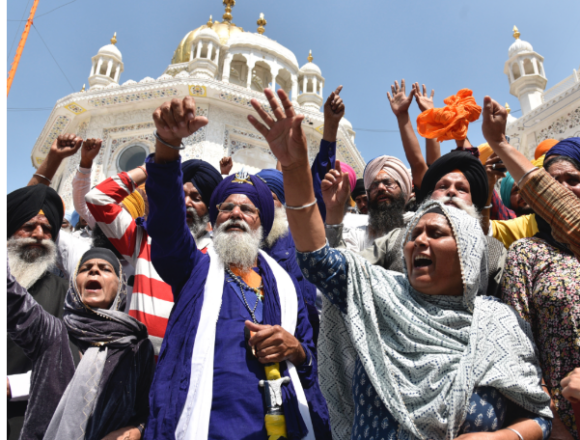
(462, 204)
(199, 226)
(279, 227)
(28, 265)
(239, 249)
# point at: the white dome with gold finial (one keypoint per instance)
(310, 67)
(111, 49)
(519, 46)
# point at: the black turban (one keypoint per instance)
(102, 254)
(471, 168)
(359, 189)
(204, 177)
(25, 203)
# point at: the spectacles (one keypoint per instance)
(389, 184)
(247, 210)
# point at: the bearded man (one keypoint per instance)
(35, 215)
(388, 186)
(151, 298)
(279, 244)
(213, 376)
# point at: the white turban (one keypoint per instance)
(394, 167)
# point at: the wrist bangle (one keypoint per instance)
(517, 433)
(524, 176)
(86, 173)
(488, 206)
(297, 208)
(182, 147)
(141, 428)
(43, 177)
(144, 170)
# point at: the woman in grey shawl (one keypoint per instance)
(415, 355)
(106, 397)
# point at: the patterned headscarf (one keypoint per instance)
(425, 354)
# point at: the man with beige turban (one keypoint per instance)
(389, 187)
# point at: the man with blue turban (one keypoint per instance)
(279, 244)
(237, 357)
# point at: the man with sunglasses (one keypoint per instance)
(239, 345)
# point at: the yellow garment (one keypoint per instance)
(539, 162)
(484, 152)
(275, 423)
(135, 205)
(508, 231)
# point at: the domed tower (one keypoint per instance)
(525, 72)
(310, 85)
(204, 54)
(107, 66)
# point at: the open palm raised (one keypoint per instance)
(284, 134)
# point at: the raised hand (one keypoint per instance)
(494, 174)
(400, 102)
(226, 165)
(284, 132)
(176, 120)
(65, 145)
(333, 112)
(335, 189)
(89, 151)
(494, 122)
(424, 101)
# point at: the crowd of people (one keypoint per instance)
(178, 301)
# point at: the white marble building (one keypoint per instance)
(219, 64)
(546, 114)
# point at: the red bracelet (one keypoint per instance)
(144, 170)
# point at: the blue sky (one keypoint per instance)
(364, 45)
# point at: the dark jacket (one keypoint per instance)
(49, 292)
(124, 385)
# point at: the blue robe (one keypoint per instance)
(323, 162)
(237, 408)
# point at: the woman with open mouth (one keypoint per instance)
(106, 397)
(417, 355)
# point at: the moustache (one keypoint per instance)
(228, 224)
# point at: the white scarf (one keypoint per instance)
(194, 420)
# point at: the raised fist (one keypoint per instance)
(90, 149)
(176, 120)
(494, 121)
(226, 165)
(65, 145)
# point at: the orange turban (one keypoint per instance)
(451, 121)
(544, 147)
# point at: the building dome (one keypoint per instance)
(519, 46)
(223, 30)
(111, 49)
(310, 67)
(208, 33)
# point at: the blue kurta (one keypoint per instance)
(237, 409)
(323, 162)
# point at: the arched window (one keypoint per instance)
(528, 67)
(131, 157)
(516, 71)
(104, 66)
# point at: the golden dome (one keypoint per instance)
(224, 31)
